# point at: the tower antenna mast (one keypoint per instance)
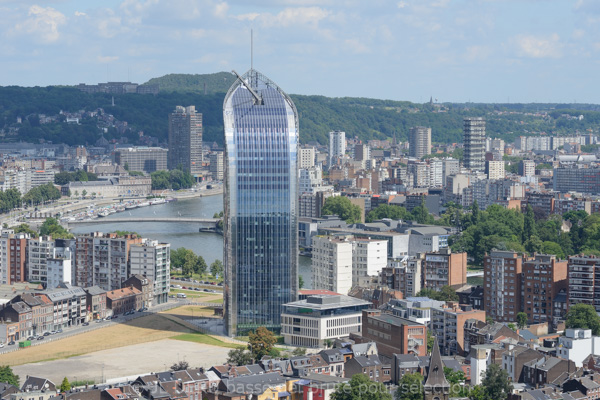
(251, 49)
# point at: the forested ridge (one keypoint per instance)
(358, 117)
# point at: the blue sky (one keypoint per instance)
(453, 50)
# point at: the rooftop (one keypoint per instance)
(327, 302)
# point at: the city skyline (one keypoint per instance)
(487, 51)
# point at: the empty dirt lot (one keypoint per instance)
(126, 361)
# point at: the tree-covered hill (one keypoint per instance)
(360, 117)
(219, 82)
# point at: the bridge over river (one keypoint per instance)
(205, 224)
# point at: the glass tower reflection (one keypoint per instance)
(260, 214)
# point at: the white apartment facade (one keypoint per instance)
(332, 264)
(59, 267)
(369, 257)
(577, 344)
(39, 250)
(152, 260)
(495, 170)
(306, 157)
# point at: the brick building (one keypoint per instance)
(543, 278)
(123, 300)
(444, 268)
(502, 285)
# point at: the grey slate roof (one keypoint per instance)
(254, 384)
(368, 361)
(94, 290)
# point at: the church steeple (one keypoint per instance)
(436, 386)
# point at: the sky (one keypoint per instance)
(452, 50)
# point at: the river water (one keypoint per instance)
(208, 245)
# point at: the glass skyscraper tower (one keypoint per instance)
(260, 218)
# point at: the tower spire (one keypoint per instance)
(436, 384)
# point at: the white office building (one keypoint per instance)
(310, 322)
(39, 250)
(577, 344)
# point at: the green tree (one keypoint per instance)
(446, 293)
(388, 211)
(200, 267)
(51, 227)
(410, 387)
(8, 376)
(239, 357)
(361, 388)
(512, 326)
(456, 379)
(553, 248)
(529, 229)
(420, 213)
(430, 341)
(521, 320)
(496, 384)
(81, 176)
(583, 316)
(533, 245)
(343, 208)
(260, 342)
(178, 257)
(24, 228)
(299, 351)
(300, 282)
(216, 268)
(84, 193)
(63, 178)
(189, 263)
(65, 386)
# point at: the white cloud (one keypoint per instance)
(402, 4)
(42, 24)
(294, 16)
(356, 46)
(107, 59)
(80, 14)
(539, 46)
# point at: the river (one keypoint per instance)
(208, 245)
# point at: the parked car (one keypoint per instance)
(31, 338)
(84, 324)
(46, 334)
(11, 343)
(61, 331)
(99, 321)
(115, 316)
(40, 338)
(1, 345)
(197, 289)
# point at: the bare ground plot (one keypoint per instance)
(126, 361)
(141, 330)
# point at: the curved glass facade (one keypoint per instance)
(260, 213)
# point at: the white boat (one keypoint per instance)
(144, 204)
(157, 201)
(103, 213)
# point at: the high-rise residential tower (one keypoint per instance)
(185, 140)
(337, 146)
(474, 138)
(419, 141)
(260, 226)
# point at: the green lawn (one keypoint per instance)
(205, 339)
(216, 301)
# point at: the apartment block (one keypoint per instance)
(103, 259)
(527, 168)
(306, 157)
(15, 257)
(474, 143)
(495, 170)
(337, 146)
(444, 268)
(448, 326)
(59, 267)
(145, 159)
(543, 278)
(216, 168)
(419, 139)
(369, 257)
(332, 264)
(39, 250)
(403, 275)
(584, 280)
(576, 179)
(152, 260)
(502, 276)
(185, 140)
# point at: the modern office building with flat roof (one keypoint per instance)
(260, 225)
(185, 140)
(310, 322)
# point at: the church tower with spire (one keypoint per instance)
(436, 386)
